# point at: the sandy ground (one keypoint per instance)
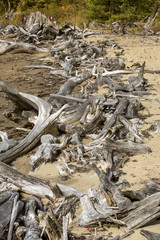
(139, 169)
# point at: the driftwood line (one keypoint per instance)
(112, 124)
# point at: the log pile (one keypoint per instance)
(110, 122)
(37, 29)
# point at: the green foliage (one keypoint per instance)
(97, 11)
(125, 10)
(78, 11)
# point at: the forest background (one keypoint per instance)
(78, 12)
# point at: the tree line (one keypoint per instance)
(84, 10)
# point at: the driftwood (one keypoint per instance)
(38, 27)
(150, 235)
(19, 47)
(5, 195)
(110, 122)
(44, 120)
(33, 231)
(93, 213)
(122, 202)
(6, 143)
(140, 194)
(65, 228)
(47, 151)
(119, 111)
(62, 47)
(81, 111)
(116, 72)
(133, 133)
(152, 18)
(6, 212)
(143, 212)
(14, 180)
(17, 207)
(68, 87)
(127, 147)
(49, 225)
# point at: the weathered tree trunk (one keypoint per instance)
(14, 180)
(127, 147)
(21, 47)
(143, 212)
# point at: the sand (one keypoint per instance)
(139, 169)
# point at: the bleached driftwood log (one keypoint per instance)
(127, 147)
(37, 23)
(44, 120)
(143, 212)
(96, 209)
(33, 231)
(21, 47)
(14, 180)
(80, 110)
(62, 47)
(116, 72)
(68, 87)
(35, 19)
